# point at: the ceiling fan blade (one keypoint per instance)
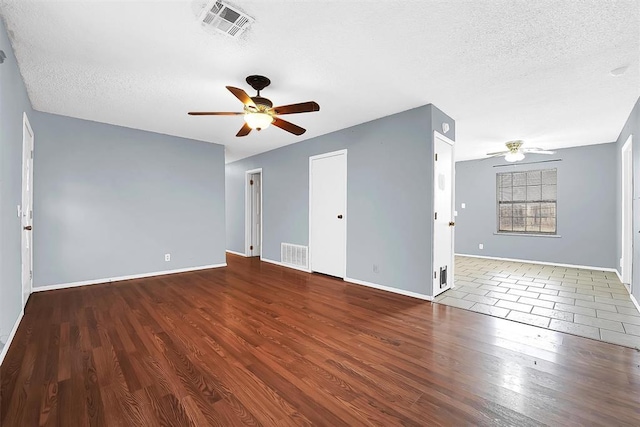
(495, 155)
(498, 153)
(244, 130)
(242, 96)
(538, 151)
(213, 113)
(302, 107)
(289, 127)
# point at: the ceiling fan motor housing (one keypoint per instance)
(262, 103)
(514, 146)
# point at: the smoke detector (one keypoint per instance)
(224, 18)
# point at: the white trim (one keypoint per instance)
(452, 263)
(389, 289)
(236, 253)
(507, 233)
(11, 336)
(635, 302)
(626, 266)
(247, 210)
(281, 264)
(527, 261)
(27, 155)
(120, 278)
(620, 278)
(329, 154)
(346, 216)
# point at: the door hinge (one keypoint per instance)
(31, 274)
(251, 247)
(434, 274)
(251, 182)
(436, 157)
(32, 154)
(435, 216)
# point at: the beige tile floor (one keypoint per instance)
(589, 303)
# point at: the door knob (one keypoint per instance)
(28, 228)
(451, 223)
(340, 216)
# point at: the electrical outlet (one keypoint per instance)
(167, 257)
(375, 268)
(480, 246)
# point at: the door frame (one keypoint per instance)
(451, 273)
(247, 211)
(27, 154)
(346, 216)
(626, 187)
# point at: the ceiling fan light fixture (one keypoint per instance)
(258, 121)
(514, 157)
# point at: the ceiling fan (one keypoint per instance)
(515, 152)
(259, 112)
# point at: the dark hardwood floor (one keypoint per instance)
(258, 344)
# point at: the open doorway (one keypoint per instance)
(253, 213)
(627, 213)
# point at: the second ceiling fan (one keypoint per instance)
(515, 151)
(259, 112)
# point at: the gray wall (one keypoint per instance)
(586, 212)
(111, 201)
(13, 103)
(389, 201)
(631, 127)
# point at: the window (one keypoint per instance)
(527, 201)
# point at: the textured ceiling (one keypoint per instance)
(532, 70)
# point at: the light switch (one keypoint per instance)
(463, 205)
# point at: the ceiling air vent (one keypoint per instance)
(224, 18)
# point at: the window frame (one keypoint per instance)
(540, 200)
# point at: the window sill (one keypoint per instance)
(527, 234)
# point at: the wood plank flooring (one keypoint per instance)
(257, 344)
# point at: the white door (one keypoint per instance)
(256, 214)
(27, 210)
(327, 213)
(443, 221)
(627, 213)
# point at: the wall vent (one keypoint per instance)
(294, 255)
(222, 17)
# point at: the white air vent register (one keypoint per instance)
(224, 18)
(294, 255)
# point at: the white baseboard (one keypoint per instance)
(236, 253)
(120, 278)
(11, 335)
(619, 276)
(281, 264)
(635, 302)
(527, 261)
(358, 282)
(389, 289)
